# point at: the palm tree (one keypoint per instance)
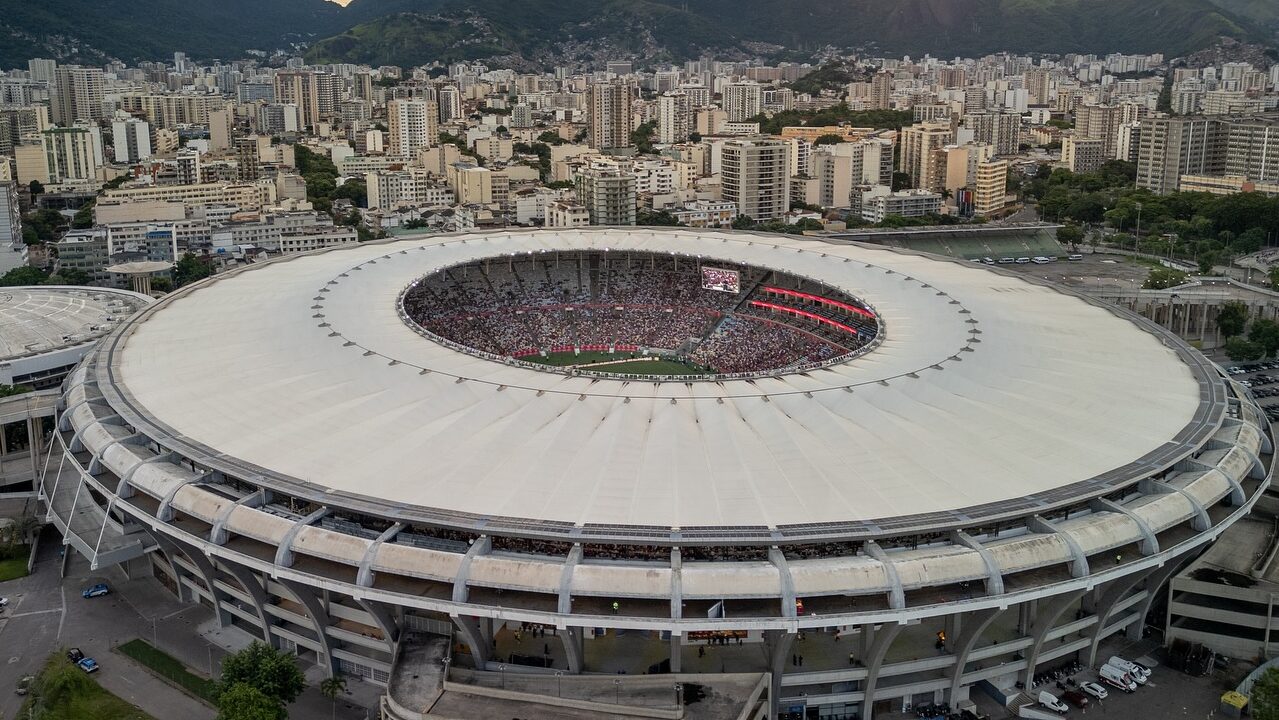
(331, 687)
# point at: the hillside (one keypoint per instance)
(657, 30)
(95, 30)
(542, 32)
(524, 33)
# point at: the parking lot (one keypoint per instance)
(1263, 379)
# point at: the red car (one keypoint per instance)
(1076, 698)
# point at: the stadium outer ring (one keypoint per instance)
(80, 425)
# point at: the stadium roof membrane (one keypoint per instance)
(986, 389)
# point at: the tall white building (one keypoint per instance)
(608, 115)
(755, 174)
(76, 94)
(131, 140)
(743, 100)
(42, 69)
(674, 118)
(10, 218)
(450, 100)
(412, 126)
(70, 154)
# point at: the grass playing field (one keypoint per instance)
(617, 363)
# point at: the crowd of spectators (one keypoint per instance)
(531, 306)
(742, 344)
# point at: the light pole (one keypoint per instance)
(617, 691)
(679, 701)
(1136, 241)
(502, 669)
(155, 636)
(558, 690)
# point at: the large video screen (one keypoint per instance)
(721, 280)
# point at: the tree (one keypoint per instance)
(331, 687)
(1232, 318)
(1207, 261)
(1274, 278)
(243, 701)
(1264, 698)
(828, 139)
(1239, 349)
(25, 275)
(1265, 333)
(694, 137)
(900, 181)
(1071, 235)
(190, 269)
(83, 217)
(265, 669)
(1162, 277)
(743, 222)
(36, 188)
(656, 218)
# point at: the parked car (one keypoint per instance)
(96, 591)
(74, 655)
(24, 685)
(4, 601)
(89, 665)
(1074, 257)
(1051, 702)
(1076, 698)
(1094, 689)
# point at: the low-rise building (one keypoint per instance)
(706, 213)
(879, 202)
(565, 214)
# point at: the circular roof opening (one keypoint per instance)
(640, 314)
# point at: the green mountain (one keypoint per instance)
(533, 32)
(129, 30)
(421, 31)
(659, 30)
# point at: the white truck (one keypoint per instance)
(1137, 672)
(1117, 678)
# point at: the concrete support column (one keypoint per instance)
(1104, 607)
(572, 639)
(1045, 620)
(865, 638)
(1024, 618)
(1154, 583)
(252, 585)
(33, 445)
(966, 641)
(384, 617)
(779, 644)
(874, 661)
(952, 626)
(677, 654)
(469, 630)
(317, 612)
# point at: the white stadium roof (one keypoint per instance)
(986, 389)
(41, 319)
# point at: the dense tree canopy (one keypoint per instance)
(264, 669)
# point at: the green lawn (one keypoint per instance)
(11, 569)
(615, 363)
(64, 692)
(166, 666)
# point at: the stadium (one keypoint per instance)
(810, 478)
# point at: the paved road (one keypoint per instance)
(46, 614)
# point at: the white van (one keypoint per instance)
(1115, 677)
(1023, 260)
(1135, 671)
(1052, 702)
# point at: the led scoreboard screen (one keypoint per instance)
(721, 280)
